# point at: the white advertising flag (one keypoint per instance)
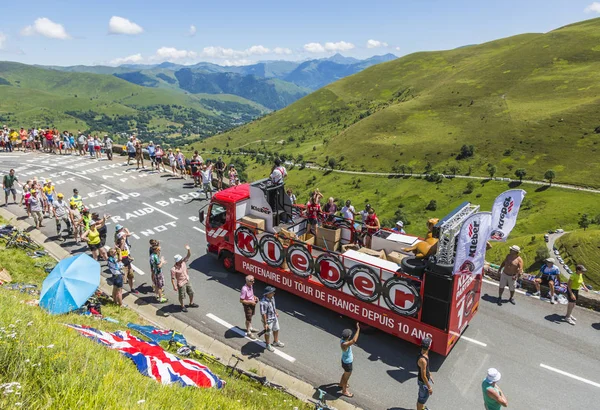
(504, 213)
(472, 242)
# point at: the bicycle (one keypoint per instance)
(321, 404)
(253, 376)
(187, 350)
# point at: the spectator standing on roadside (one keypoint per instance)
(49, 191)
(139, 154)
(124, 253)
(493, 396)
(8, 184)
(101, 225)
(116, 269)
(573, 285)
(130, 147)
(97, 147)
(511, 270)
(81, 144)
(196, 165)
(108, 147)
(270, 318)
(77, 199)
(233, 176)
(180, 158)
(172, 161)
(424, 379)
(181, 279)
(207, 180)
(92, 237)
(61, 214)
(347, 357)
(220, 169)
(249, 301)
(152, 153)
(36, 208)
(160, 153)
(158, 279)
(549, 274)
(90, 147)
(76, 222)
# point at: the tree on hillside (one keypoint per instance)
(491, 169)
(428, 168)
(402, 168)
(584, 221)
(550, 175)
(332, 162)
(454, 169)
(432, 205)
(470, 187)
(520, 173)
(466, 151)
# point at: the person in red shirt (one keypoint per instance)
(23, 135)
(49, 140)
(313, 209)
(372, 225)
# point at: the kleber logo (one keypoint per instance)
(507, 207)
(330, 271)
(271, 251)
(474, 235)
(401, 296)
(497, 235)
(299, 260)
(469, 303)
(467, 267)
(246, 242)
(262, 210)
(364, 283)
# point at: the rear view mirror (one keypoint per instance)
(201, 216)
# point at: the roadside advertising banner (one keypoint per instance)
(472, 240)
(504, 213)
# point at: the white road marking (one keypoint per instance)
(572, 376)
(243, 334)
(114, 190)
(135, 268)
(477, 342)
(497, 284)
(198, 229)
(159, 210)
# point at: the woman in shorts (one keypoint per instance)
(172, 161)
(181, 163)
(160, 153)
(126, 259)
(233, 176)
(116, 269)
(92, 237)
(97, 147)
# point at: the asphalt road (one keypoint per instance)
(545, 362)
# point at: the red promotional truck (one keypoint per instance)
(254, 229)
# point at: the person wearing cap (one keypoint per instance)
(573, 285)
(101, 226)
(249, 301)
(8, 184)
(124, 253)
(181, 279)
(77, 199)
(116, 269)
(108, 147)
(92, 237)
(49, 196)
(220, 170)
(36, 208)
(156, 265)
(233, 176)
(510, 270)
(493, 396)
(76, 221)
(160, 153)
(152, 153)
(122, 232)
(399, 227)
(347, 357)
(424, 379)
(549, 276)
(270, 318)
(61, 214)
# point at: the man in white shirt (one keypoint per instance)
(207, 180)
(278, 173)
(348, 211)
(61, 213)
(108, 147)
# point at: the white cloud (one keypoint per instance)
(254, 50)
(593, 8)
(376, 44)
(47, 28)
(282, 50)
(120, 25)
(314, 48)
(2, 40)
(172, 54)
(237, 62)
(339, 46)
(397, 48)
(328, 47)
(192, 31)
(132, 59)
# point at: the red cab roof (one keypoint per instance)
(233, 194)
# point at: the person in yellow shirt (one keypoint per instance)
(49, 196)
(14, 139)
(573, 285)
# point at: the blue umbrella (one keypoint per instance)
(70, 284)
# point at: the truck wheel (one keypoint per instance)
(413, 266)
(228, 261)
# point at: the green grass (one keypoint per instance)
(583, 247)
(77, 373)
(533, 96)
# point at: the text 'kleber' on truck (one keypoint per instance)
(254, 229)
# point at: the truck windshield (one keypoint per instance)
(217, 215)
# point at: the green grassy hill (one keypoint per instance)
(583, 247)
(33, 96)
(529, 101)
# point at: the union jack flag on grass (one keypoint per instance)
(154, 361)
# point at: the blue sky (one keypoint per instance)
(69, 32)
